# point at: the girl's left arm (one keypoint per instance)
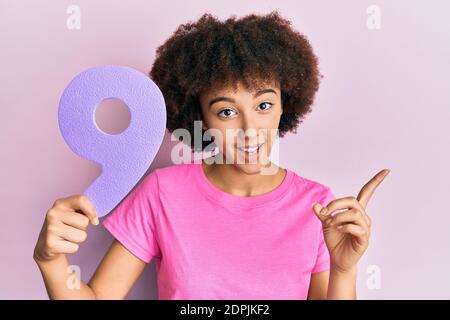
(333, 285)
(347, 236)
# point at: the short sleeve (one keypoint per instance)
(132, 222)
(323, 255)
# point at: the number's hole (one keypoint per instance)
(112, 116)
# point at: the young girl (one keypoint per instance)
(235, 225)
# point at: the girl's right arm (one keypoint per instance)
(64, 228)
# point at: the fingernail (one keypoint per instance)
(312, 206)
(323, 211)
(96, 221)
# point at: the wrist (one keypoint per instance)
(44, 259)
(342, 283)
(339, 271)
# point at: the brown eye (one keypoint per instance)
(225, 113)
(267, 105)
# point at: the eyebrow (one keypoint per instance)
(257, 94)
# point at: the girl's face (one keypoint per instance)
(244, 123)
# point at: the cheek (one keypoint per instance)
(221, 139)
(273, 120)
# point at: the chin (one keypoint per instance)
(249, 165)
(249, 168)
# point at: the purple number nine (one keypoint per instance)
(124, 157)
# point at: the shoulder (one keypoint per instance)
(175, 171)
(171, 179)
(171, 175)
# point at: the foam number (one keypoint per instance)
(125, 157)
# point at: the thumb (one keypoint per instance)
(317, 208)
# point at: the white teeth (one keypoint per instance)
(249, 150)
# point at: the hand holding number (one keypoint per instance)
(347, 232)
(65, 227)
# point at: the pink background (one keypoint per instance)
(384, 103)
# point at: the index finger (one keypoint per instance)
(369, 188)
(82, 204)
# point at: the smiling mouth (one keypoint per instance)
(251, 150)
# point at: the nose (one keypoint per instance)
(249, 128)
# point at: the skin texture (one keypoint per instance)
(255, 115)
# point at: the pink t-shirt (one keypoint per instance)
(210, 244)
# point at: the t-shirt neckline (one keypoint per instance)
(228, 199)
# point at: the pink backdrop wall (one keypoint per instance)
(384, 102)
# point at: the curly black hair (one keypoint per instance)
(253, 50)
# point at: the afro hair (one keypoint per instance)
(252, 50)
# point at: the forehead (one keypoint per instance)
(239, 87)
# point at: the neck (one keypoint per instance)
(233, 180)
